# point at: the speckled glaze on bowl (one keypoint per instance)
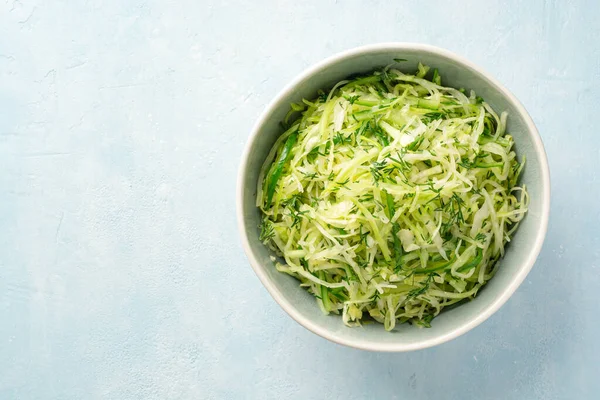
(520, 255)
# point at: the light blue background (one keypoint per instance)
(121, 273)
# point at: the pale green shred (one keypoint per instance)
(391, 197)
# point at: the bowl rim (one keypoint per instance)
(506, 292)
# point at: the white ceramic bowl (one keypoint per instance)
(521, 252)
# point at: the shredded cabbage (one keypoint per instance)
(391, 197)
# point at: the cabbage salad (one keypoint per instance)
(391, 196)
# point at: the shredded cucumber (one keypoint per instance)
(391, 197)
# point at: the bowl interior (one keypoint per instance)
(520, 254)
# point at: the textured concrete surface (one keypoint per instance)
(121, 274)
